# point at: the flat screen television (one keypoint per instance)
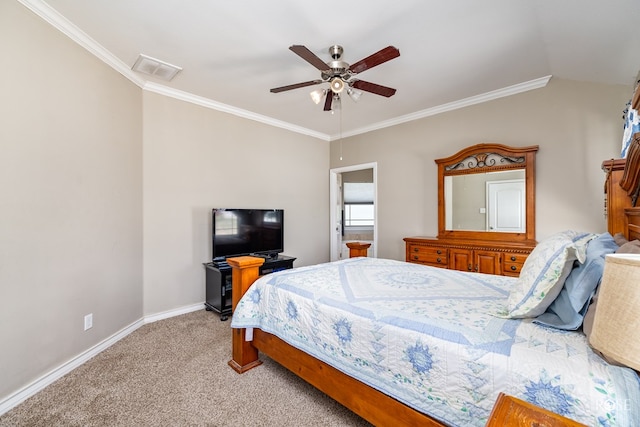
(239, 232)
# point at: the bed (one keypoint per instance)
(436, 342)
(409, 344)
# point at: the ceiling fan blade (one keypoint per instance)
(380, 57)
(374, 88)
(295, 86)
(309, 56)
(327, 101)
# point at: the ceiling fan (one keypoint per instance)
(341, 75)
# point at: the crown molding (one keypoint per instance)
(62, 24)
(50, 15)
(209, 103)
(455, 105)
(66, 27)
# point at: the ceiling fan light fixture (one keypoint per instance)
(337, 85)
(317, 95)
(340, 75)
(354, 94)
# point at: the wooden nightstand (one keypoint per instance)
(510, 411)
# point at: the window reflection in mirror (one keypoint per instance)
(493, 201)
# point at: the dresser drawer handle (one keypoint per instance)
(415, 249)
(513, 258)
(439, 252)
(513, 268)
(416, 257)
(439, 260)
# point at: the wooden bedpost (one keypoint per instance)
(357, 249)
(244, 271)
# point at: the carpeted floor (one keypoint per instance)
(174, 372)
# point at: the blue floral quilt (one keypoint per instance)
(426, 337)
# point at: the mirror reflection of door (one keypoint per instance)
(506, 206)
(467, 202)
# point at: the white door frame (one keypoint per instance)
(334, 193)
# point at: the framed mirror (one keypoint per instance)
(487, 192)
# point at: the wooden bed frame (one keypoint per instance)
(371, 404)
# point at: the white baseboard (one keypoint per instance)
(174, 312)
(26, 392)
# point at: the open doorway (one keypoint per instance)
(353, 208)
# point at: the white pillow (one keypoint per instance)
(544, 272)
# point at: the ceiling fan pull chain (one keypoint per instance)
(340, 134)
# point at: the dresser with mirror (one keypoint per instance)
(486, 211)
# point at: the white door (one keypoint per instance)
(506, 210)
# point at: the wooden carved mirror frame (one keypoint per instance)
(483, 158)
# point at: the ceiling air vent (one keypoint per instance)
(155, 67)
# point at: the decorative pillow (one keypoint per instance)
(632, 247)
(544, 272)
(620, 239)
(568, 309)
(587, 325)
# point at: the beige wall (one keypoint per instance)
(196, 159)
(107, 196)
(577, 126)
(71, 204)
(107, 190)
(362, 175)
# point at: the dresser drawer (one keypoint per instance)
(512, 263)
(427, 255)
(489, 257)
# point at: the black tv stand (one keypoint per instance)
(218, 281)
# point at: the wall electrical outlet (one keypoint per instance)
(88, 321)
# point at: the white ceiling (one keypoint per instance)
(452, 52)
